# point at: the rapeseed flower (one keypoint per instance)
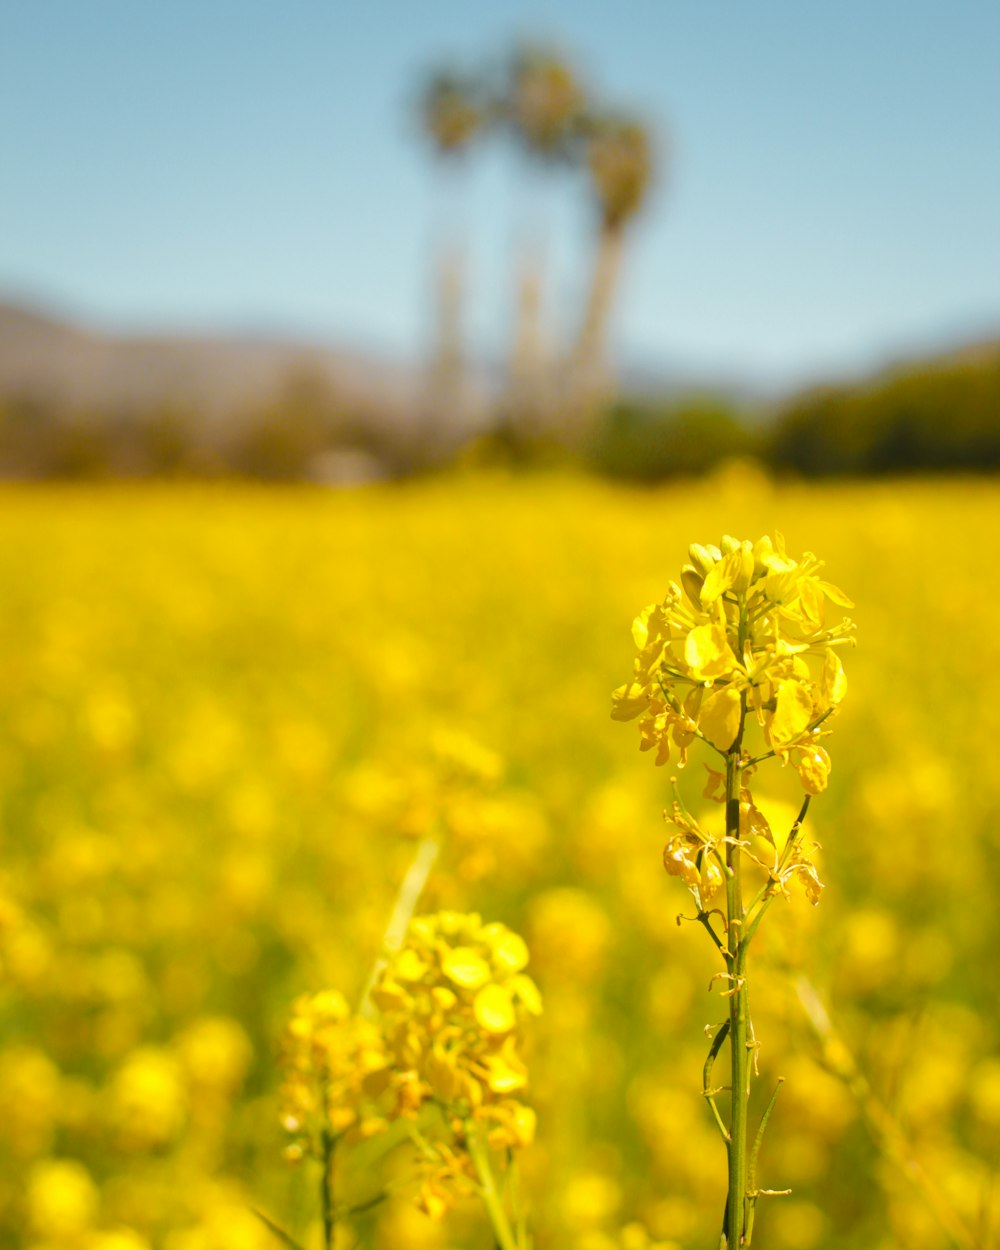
(745, 628)
(328, 1055)
(445, 1040)
(454, 1001)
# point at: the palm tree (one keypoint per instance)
(545, 102)
(542, 102)
(452, 115)
(619, 161)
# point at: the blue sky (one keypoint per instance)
(829, 193)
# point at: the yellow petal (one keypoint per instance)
(629, 701)
(640, 626)
(524, 1125)
(443, 1076)
(719, 718)
(390, 997)
(494, 1009)
(409, 966)
(811, 883)
(778, 587)
(835, 595)
(722, 577)
(527, 994)
(330, 1005)
(510, 952)
(715, 786)
(703, 558)
(707, 652)
(692, 582)
(504, 1076)
(463, 966)
(679, 862)
(792, 714)
(813, 767)
(711, 879)
(753, 822)
(834, 678)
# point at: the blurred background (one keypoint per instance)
(287, 244)
(559, 289)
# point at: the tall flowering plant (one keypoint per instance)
(742, 654)
(438, 1055)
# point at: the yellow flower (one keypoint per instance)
(453, 1002)
(744, 632)
(332, 1061)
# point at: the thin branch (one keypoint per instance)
(286, 1238)
(706, 1077)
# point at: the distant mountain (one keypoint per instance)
(217, 375)
(220, 376)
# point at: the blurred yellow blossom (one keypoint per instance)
(62, 1199)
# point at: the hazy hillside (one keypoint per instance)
(216, 374)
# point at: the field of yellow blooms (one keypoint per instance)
(231, 719)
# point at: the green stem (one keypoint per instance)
(739, 1007)
(286, 1239)
(479, 1154)
(326, 1187)
(707, 1089)
(517, 1201)
(737, 1145)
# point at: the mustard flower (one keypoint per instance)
(328, 1057)
(745, 620)
(454, 1000)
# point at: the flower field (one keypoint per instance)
(232, 719)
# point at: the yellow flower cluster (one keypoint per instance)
(745, 628)
(452, 1002)
(327, 1056)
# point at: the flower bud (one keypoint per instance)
(702, 558)
(744, 577)
(692, 582)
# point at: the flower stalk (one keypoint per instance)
(738, 1006)
(488, 1191)
(741, 643)
(329, 1150)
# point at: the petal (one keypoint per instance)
(722, 577)
(834, 678)
(835, 595)
(510, 952)
(640, 626)
(494, 1009)
(719, 719)
(792, 713)
(504, 1077)
(813, 767)
(465, 967)
(527, 994)
(629, 701)
(707, 651)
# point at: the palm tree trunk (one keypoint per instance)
(447, 390)
(526, 388)
(590, 380)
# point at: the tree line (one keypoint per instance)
(929, 417)
(938, 416)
